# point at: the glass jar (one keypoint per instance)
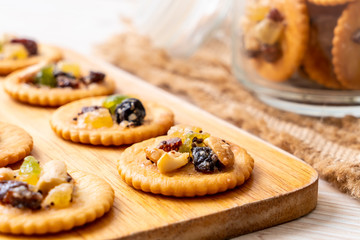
(299, 56)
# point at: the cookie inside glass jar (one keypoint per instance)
(275, 36)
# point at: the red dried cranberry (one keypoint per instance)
(356, 37)
(275, 15)
(30, 45)
(271, 53)
(170, 144)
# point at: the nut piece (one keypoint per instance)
(221, 149)
(171, 161)
(153, 154)
(54, 174)
(7, 174)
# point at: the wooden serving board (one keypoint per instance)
(281, 187)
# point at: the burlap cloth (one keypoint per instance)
(330, 145)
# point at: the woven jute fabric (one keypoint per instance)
(330, 145)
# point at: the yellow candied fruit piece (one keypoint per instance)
(96, 119)
(69, 67)
(15, 51)
(257, 13)
(29, 171)
(60, 196)
(181, 131)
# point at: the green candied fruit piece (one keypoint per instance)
(30, 170)
(189, 140)
(112, 101)
(46, 76)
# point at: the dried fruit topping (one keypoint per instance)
(275, 15)
(204, 159)
(271, 53)
(130, 110)
(170, 144)
(14, 51)
(221, 149)
(193, 139)
(112, 101)
(30, 45)
(153, 154)
(356, 37)
(72, 69)
(30, 170)
(181, 131)
(60, 196)
(94, 117)
(64, 80)
(18, 194)
(46, 76)
(94, 77)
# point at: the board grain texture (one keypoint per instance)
(281, 187)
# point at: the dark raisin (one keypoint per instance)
(271, 53)
(204, 159)
(94, 77)
(64, 80)
(30, 45)
(275, 15)
(356, 37)
(19, 195)
(170, 144)
(131, 110)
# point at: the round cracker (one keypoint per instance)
(16, 87)
(157, 121)
(346, 53)
(317, 61)
(92, 198)
(293, 41)
(15, 144)
(330, 2)
(46, 52)
(142, 174)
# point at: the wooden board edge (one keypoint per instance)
(240, 220)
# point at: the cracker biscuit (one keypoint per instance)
(293, 41)
(16, 87)
(317, 61)
(330, 2)
(15, 144)
(346, 53)
(92, 198)
(45, 53)
(142, 174)
(157, 121)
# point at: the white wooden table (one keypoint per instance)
(79, 25)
